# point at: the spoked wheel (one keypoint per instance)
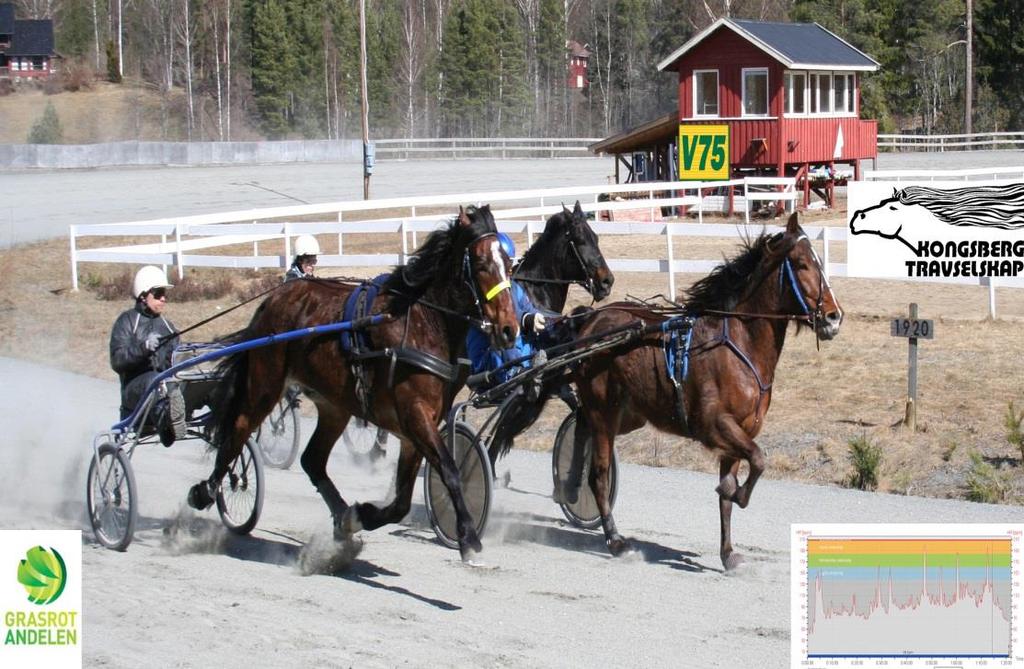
(583, 512)
(240, 496)
(365, 440)
(477, 480)
(278, 437)
(110, 497)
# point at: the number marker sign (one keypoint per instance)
(703, 152)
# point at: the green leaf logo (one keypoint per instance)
(43, 574)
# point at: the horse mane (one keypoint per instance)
(544, 252)
(983, 206)
(433, 262)
(722, 289)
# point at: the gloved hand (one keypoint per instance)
(534, 322)
(152, 342)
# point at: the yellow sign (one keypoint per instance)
(703, 152)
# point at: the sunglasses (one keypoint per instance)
(158, 293)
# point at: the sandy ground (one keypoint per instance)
(187, 594)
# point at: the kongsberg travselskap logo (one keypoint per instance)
(43, 574)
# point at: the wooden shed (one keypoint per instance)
(784, 98)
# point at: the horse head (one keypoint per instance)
(585, 257)
(486, 266)
(804, 288)
(884, 219)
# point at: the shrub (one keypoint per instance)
(118, 288)
(1014, 435)
(865, 458)
(113, 63)
(261, 284)
(77, 75)
(984, 482)
(47, 129)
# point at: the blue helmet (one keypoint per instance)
(507, 245)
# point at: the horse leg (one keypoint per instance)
(370, 517)
(603, 431)
(331, 422)
(727, 468)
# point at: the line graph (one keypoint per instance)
(905, 592)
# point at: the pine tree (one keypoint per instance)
(47, 129)
(272, 67)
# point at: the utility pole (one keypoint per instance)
(367, 151)
(969, 90)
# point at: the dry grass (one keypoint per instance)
(853, 387)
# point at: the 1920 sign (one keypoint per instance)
(916, 328)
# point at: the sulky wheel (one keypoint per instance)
(278, 437)
(240, 496)
(582, 512)
(477, 480)
(110, 497)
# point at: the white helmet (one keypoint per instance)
(148, 278)
(306, 245)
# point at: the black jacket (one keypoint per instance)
(128, 354)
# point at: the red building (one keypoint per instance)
(579, 58)
(788, 93)
(26, 47)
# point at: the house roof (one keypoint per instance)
(32, 38)
(805, 46)
(6, 18)
(578, 50)
(661, 129)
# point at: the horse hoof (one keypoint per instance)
(619, 547)
(732, 561)
(200, 497)
(471, 556)
(727, 487)
(348, 525)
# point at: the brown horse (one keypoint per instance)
(457, 276)
(740, 314)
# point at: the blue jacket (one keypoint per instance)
(478, 344)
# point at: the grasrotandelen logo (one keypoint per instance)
(43, 574)
(929, 231)
(40, 598)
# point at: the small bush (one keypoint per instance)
(1014, 435)
(6, 87)
(113, 63)
(261, 284)
(47, 129)
(77, 75)
(865, 458)
(984, 482)
(948, 450)
(116, 289)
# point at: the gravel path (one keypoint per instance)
(186, 594)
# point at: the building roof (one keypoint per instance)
(32, 38)
(643, 136)
(6, 18)
(578, 50)
(805, 46)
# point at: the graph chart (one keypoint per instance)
(905, 593)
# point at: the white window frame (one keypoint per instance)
(718, 98)
(817, 93)
(787, 79)
(767, 92)
(851, 94)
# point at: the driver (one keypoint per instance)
(306, 251)
(141, 343)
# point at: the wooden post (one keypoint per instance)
(910, 420)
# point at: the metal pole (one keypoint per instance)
(969, 87)
(363, 94)
(911, 416)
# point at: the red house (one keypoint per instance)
(26, 47)
(788, 94)
(579, 58)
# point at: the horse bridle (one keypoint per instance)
(811, 315)
(587, 283)
(479, 297)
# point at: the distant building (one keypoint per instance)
(579, 57)
(26, 47)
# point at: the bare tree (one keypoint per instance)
(39, 9)
(186, 37)
(411, 64)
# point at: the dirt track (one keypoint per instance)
(549, 594)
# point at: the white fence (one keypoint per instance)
(487, 147)
(181, 241)
(980, 173)
(978, 140)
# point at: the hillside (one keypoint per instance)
(107, 113)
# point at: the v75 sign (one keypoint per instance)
(703, 152)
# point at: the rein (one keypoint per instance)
(587, 283)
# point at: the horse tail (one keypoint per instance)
(227, 397)
(522, 414)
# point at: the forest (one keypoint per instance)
(234, 69)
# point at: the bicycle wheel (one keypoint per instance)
(240, 495)
(278, 437)
(476, 476)
(365, 440)
(111, 499)
(583, 512)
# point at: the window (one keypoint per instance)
(705, 92)
(795, 84)
(755, 92)
(839, 93)
(851, 94)
(37, 63)
(824, 93)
